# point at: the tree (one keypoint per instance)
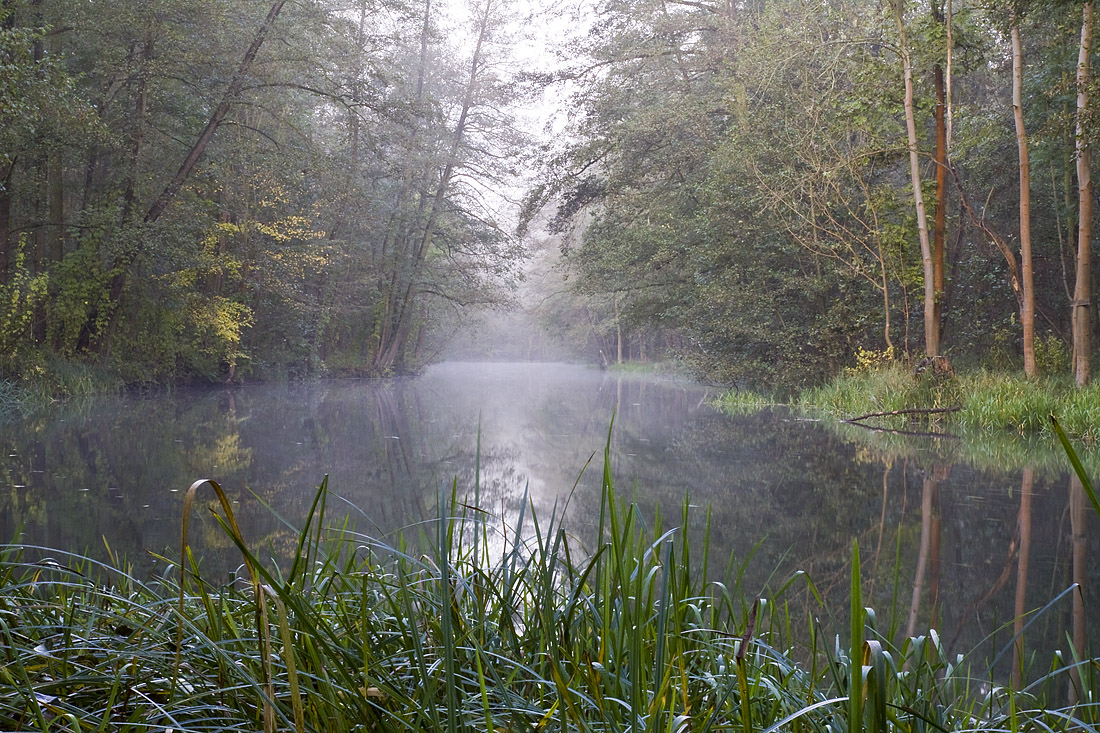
(1027, 295)
(939, 227)
(1081, 291)
(931, 324)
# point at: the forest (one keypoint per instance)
(220, 190)
(765, 190)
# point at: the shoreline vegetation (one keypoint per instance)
(471, 625)
(986, 401)
(54, 379)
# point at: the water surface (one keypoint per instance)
(956, 534)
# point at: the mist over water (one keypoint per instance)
(941, 536)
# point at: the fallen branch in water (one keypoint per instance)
(910, 411)
(907, 433)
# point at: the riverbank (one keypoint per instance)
(40, 382)
(985, 401)
(467, 629)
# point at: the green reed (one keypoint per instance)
(475, 626)
(987, 401)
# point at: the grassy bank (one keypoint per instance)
(668, 367)
(987, 401)
(36, 382)
(476, 629)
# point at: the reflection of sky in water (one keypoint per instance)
(540, 424)
(943, 519)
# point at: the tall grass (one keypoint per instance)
(988, 401)
(468, 626)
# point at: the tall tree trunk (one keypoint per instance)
(1081, 292)
(395, 241)
(931, 326)
(1027, 299)
(348, 196)
(55, 181)
(6, 241)
(950, 67)
(939, 229)
(41, 159)
(137, 140)
(236, 85)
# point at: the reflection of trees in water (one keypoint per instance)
(947, 539)
(117, 468)
(1078, 513)
(975, 527)
(962, 545)
(108, 469)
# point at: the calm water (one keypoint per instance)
(974, 534)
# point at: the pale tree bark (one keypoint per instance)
(1081, 292)
(1027, 296)
(931, 325)
(939, 230)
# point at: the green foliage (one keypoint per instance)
(49, 377)
(38, 99)
(886, 389)
(744, 402)
(80, 307)
(1052, 354)
(868, 360)
(20, 298)
(317, 200)
(797, 139)
(1078, 467)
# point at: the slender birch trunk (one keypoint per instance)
(1081, 292)
(1027, 296)
(931, 326)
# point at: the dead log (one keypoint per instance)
(910, 411)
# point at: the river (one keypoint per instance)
(962, 535)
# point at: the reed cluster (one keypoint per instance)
(471, 626)
(987, 401)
